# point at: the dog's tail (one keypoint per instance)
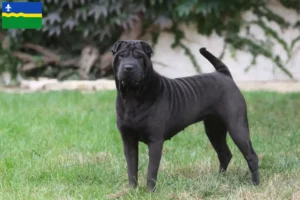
(218, 64)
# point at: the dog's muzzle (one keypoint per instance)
(129, 75)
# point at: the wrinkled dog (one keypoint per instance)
(152, 108)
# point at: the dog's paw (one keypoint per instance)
(255, 178)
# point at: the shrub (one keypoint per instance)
(75, 31)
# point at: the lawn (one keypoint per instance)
(65, 145)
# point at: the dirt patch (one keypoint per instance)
(117, 195)
(184, 196)
(270, 86)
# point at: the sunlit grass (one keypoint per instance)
(65, 145)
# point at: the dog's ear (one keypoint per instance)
(147, 48)
(116, 47)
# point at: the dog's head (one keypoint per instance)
(131, 61)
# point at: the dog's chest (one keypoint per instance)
(138, 118)
(134, 119)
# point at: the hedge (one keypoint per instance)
(77, 35)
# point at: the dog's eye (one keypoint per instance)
(139, 56)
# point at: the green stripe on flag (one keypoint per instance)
(21, 22)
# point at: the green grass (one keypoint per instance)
(65, 145)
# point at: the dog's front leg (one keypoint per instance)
(155, 151)
(130, 144)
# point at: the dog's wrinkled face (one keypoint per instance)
(131, 60)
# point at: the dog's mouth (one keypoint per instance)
(128, 82)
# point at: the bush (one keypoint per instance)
(75, 31)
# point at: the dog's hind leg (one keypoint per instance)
(239, 132)
(216, 131)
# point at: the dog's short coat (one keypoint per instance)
(152, 108)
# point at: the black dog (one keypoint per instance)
(152, 108)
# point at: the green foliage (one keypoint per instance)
(293, 4)
(70, 25)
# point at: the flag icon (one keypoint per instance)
(22, 15)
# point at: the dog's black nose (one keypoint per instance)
(128, 68)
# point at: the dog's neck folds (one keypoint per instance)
(148, 88)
